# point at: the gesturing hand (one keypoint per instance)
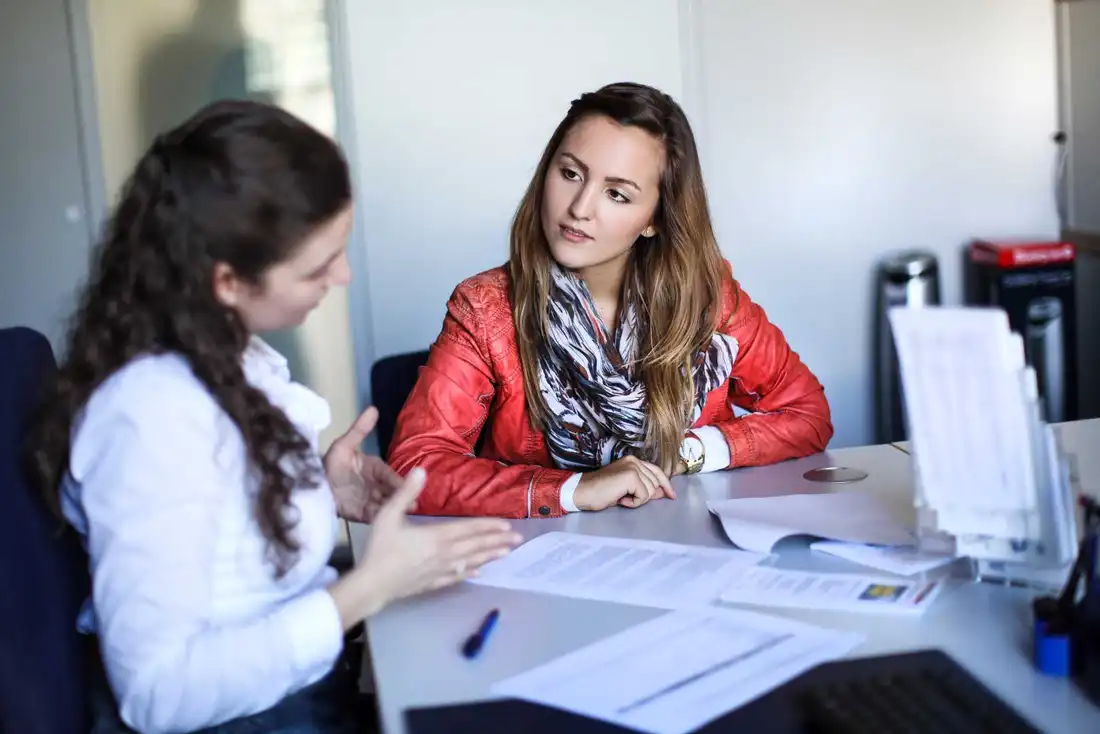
(629, 482)
(359, 482)
(403, 559)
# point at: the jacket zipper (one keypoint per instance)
(530, 493)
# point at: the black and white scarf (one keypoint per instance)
(587, 378)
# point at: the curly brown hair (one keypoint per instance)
(241, 183)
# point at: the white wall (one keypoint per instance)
(158, 61)
(840, 130)
(832, 132)
(453, 103)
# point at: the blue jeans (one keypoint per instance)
(331, 705)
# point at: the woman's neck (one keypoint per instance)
(605, 284)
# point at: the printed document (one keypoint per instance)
(642, 572)
(675, 673)
(776, 587)
(758, 523)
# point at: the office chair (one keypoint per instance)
(43, 569)
(391, 380)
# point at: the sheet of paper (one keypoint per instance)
(643, 572)
(758, 523)
(964, 367)
(776, 587)
(903, 560)
(675, 673)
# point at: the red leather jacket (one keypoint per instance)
(470, 394)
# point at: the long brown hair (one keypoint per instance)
(676, 277)
(242, 183)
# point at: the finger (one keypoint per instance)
(446, 579)
(660, 479)
(476, 561)
(463, 550)
(379, 496)
(360, 429)
(458, 530)
(466, 567)
(383, 473)
(404, 499)
(647, 486)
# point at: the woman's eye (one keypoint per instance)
(570, 174)
(618, 197)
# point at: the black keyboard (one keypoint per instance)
(918, 693)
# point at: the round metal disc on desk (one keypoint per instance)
(835, 474)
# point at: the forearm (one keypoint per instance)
(356, 597)
(459, 484)
(797, 430)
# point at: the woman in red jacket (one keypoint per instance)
(608, 354)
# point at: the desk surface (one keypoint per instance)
(414, 644)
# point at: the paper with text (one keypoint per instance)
(643, 572)
(675, 673)
(776, 587)
(758, 523)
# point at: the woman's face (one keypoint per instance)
(290, 289)
(601, 192)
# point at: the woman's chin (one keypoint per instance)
(572, 256)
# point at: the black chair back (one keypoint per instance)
(391, 380)
(43, 569)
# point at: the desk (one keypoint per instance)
(414, 644)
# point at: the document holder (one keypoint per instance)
(991, 479)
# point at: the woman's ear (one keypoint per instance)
(228, 287)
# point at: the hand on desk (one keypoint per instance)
(629, 482)
(403, 560)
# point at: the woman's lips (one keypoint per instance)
(572, 234)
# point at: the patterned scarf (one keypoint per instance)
(597, 406)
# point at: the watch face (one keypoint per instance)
(691, 449)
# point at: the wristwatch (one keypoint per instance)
(692, 453)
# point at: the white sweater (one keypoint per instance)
(195, 628)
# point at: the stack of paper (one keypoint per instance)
(758, 523)
(988, 471)
(904, 560)
(675, 673)
(643, 572)
(774, 587)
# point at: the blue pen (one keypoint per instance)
(476, 641)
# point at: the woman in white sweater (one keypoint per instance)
(180, 449)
